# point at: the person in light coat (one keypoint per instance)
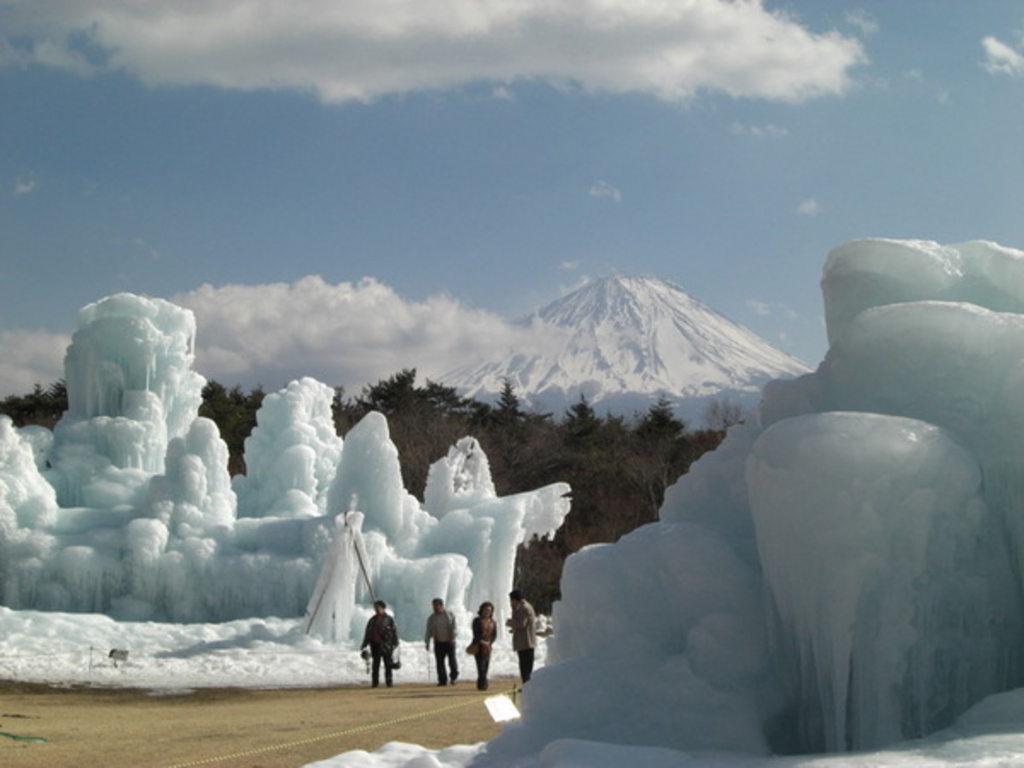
(442, 630)
(524, 632)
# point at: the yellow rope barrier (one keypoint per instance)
(325, 737)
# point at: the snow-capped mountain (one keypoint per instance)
(623, 342)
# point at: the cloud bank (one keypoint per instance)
(345, 50)
(30, 358)
(347, 335)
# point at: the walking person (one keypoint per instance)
(441, 629)
(524, 633)
(381, 636)
(485, 632)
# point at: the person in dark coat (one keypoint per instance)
(485, 632)
(381, 636)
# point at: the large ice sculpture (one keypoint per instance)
(844, 571)
(130, 390)
(292, 454)
(128, 508)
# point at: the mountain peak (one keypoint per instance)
(623, 342)
(618, 298)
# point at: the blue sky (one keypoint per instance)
(342, 189)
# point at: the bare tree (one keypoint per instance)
(720, 414)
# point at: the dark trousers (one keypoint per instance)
(483, 663)
(379, 654)
(443, 652)
(525, 663)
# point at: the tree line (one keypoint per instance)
(618, 467)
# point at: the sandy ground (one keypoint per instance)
(231, 728)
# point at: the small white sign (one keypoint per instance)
(501, 708)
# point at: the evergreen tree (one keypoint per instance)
(234, 412)
(39, 407)
(390, 395)
(508, 410)
(660, 424)
(581, 422)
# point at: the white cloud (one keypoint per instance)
(345, 50)
(151, 251)
(759, 307)
(809, 207)
(767, 131)
(863, 21)
(765, 308)
(571, 265)
(1002, 59)
(604, 189)
(349, 334)
(23, 186)
(30, 358)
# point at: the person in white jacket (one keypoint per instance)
(442, 630)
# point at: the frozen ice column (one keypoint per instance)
(890, 576)
(131, 388)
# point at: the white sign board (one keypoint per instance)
(501, 708)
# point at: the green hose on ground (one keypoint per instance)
(22, 738)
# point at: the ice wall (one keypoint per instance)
(895, 596)
(842, 573)
(128, 507)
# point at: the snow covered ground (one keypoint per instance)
(64, 649)
(67, 649)
(72, 649)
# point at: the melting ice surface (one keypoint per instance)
(128, 509)
(843, 573)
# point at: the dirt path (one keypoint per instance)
(231, 728)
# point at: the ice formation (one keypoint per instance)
(128, 509)
(844, 571)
